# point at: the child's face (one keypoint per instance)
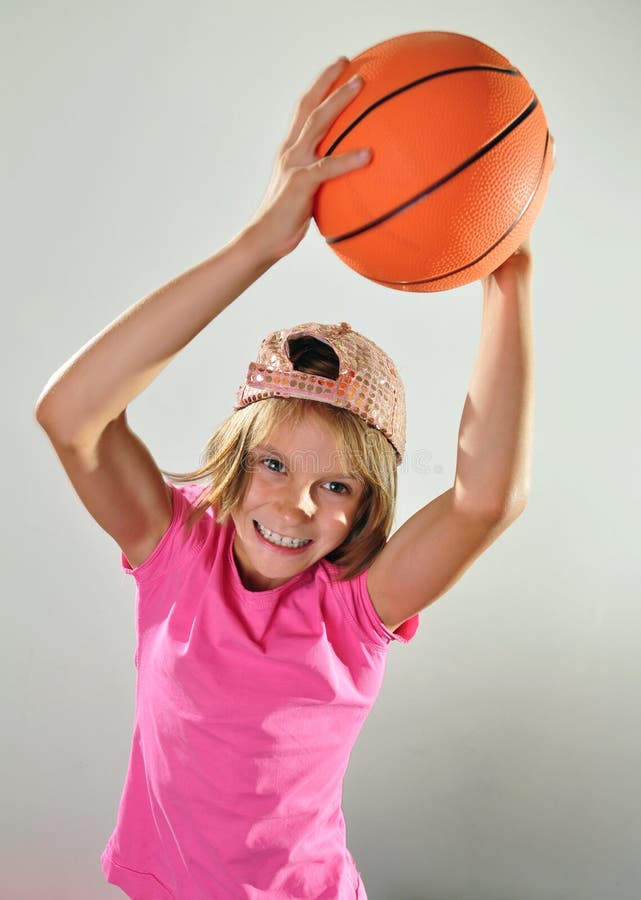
(299, 488)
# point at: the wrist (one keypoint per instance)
(255, 238)
(520, 264)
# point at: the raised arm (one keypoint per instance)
(494, 460)
(98, 382)
(83, 405)
(432, 550)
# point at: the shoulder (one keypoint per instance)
(186, 532)
(189, 493)
(358, 606)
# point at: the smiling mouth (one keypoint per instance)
(280, 540)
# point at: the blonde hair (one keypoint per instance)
(226, 463)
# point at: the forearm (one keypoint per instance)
(96, 384)
(493, 470)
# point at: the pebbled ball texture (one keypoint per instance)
(461, 161)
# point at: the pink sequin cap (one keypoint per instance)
(368, 383)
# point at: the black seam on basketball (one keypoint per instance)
(437, 184)
(409, 86)
(494, 245)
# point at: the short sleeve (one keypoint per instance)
(363, 615)
(178, 544)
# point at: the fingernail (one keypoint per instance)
(355, 82)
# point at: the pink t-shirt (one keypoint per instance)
(248, 704)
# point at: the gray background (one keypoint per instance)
(501, 761)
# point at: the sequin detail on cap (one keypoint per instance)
(368, 384)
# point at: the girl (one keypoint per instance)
(267, 598)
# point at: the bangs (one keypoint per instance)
(360, 446)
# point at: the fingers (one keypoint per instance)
(321, 118)
(332, 166)
(322, 85)
(316, 111)
(313, 98)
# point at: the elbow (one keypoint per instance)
(500, 510)
(40, 412)
(50, 419)
(506, 509)
(512, 507)
(42, 409)
(43, 412)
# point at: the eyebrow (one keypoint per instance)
(304, 455)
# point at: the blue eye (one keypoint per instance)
(277, 464)
(337, 487)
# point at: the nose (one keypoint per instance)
(295, 503)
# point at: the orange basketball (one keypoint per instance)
(461, 160)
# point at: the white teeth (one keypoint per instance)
(274, 538)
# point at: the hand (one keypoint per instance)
(285, 212)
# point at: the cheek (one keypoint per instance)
(342, 520)
(244, 507)
(349, 517)
(253, 495)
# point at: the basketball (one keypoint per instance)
(461, 161)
